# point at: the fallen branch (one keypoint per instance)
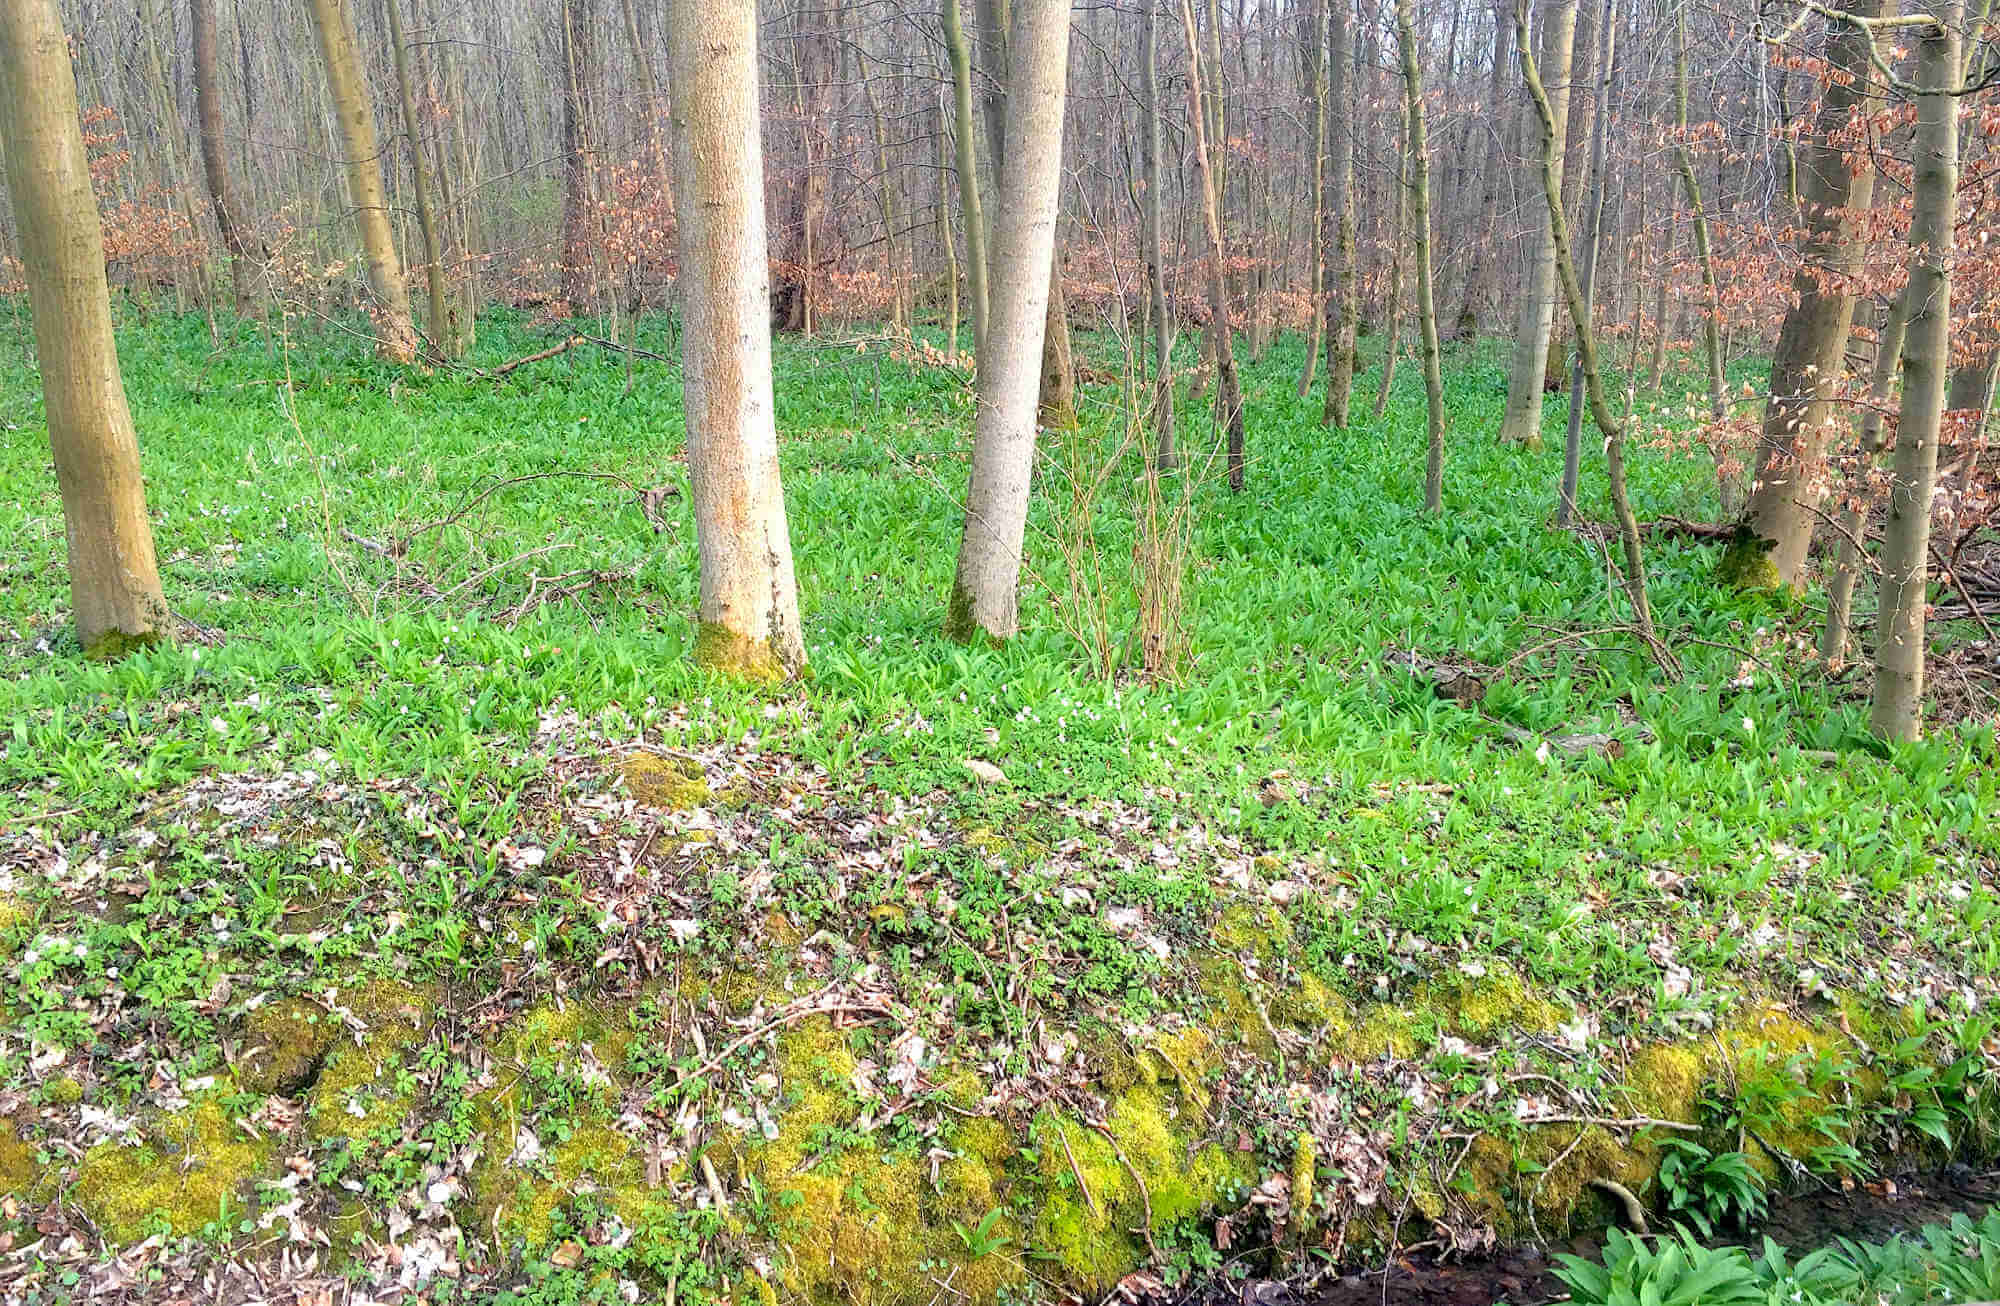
(494, 374)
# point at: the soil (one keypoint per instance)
(1522, 1276)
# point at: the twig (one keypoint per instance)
(1145, 1198)
(785, 1021)
(1612, 1122)
(1077, 1170)
(494, 374)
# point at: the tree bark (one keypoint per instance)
(1341, 315)
(578, 216)
(1593, 234)
(1806, 366)
(1151, 217)
(1522, 423)
(113, 576)
(1834, 638)
(967, 163)
(1711, 317)
(247, 263)
(1228, 391)
(1479, 276)
(440, 315)
(1417, 146)
(985, 597)
(1315, 71)
(1897, 709)
(333, 25)
(1586, 348)
(749, 616)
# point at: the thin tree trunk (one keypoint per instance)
(1056, 406)
(1339, 234)
(1593, 234)
(1228, 392)
(1478, 277)
(1586, 345)
(967, 162)
(1770, 551)
(333, 25)
(945, 241)
(1418, 149)
(985, 597)
(1151, 216)
(1711, 317)
(1897, 709)
(578, 217)
(440, 318)
(113, 577)
(1834, 639)
(1392, 335)
(1527, 380)
(749, 617)
(1316, 71)
(247, 265)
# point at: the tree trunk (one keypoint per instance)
(1593, 235)
(1151, 216)
(967, 161)
(1339, 234)
(1056, 406)
(749, 618)
(1228, 392)
(1526, 382)
(1392, 335)
(1834, 638)
(985, 595)
(1418, 149)
(1479, 276)
(440, 317)
(1586, 347)
(1807, 364)
(1897, 709)
(1315, 70)
(114, 580)
(333, 25)
(247, 264)
(1711, 324)
(578, 216)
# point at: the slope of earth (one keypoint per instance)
(425, 926)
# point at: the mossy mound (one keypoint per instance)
(361, 1088)
(189, 1170)
(284, 1044)
(17, 921)
(1484, 1005)
(672, 783)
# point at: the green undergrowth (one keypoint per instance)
(436, 904)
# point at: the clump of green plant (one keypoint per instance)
(1710, 1190)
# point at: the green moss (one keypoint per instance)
(1746, 563)
(519, 1198)
(1093, 1193)
(359, 1089)
(961, 626)
(1305, 1170)
(22, 1174)
(863, 1225)
(191, 1169)
(1664, 1081)
(284, 1044)
(62, 1091)
(115, 645)
(720, 649)
(1485, 1005)
(1261, 931)
(17, 922)
(673, 783)
(1015, 850)
(1310, 1004)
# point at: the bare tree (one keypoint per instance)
(1417, 146)
(749, 620)
(113, 578)
(1522, 423)
(247, 258)
(985, 592)
(1896, 711)
(396, 339)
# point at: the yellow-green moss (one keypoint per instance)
(21, 1174)
(673, 783)
(17, 920)
(283, 1045)
(720, 649)
(1746, 563)
(63, 1090)
(116, 645)
(192, 1168)
(1308, 1003)
(1084, 1230)
(1015, 850)
(359, 1090)
(1481, 1006)
(1262, 931)
(858, 1226)
(520, 1198)
(1664, 1081)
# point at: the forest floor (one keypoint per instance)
(424, 925)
